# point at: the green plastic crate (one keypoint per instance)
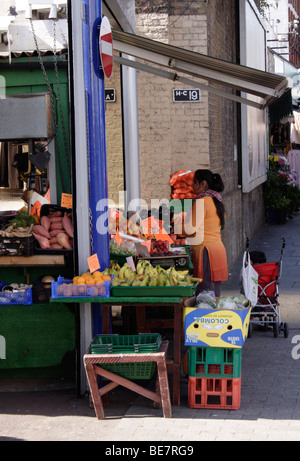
(114, 344)
(215, 362)
(165, 291)
(133, 371)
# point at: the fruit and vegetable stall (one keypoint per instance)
(150, 272)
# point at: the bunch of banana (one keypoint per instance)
(147, 275)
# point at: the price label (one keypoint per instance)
(93, 263)
(66, 200)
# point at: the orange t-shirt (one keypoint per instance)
(211, 240)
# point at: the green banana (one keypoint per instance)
(144, 283)
(122, 271)
(140, 267)
(136, 282)
(153, 282)
(161, 279)
(131, 280)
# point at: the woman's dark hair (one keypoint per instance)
(215, 183)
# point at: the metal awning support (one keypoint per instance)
(253, 82)
(176, 78)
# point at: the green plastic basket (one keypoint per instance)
(133, 371)
(114, 344)
(122, 344)
(215, 362)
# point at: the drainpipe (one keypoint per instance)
(130, 133)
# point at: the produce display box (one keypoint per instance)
(178, 261)
(153, 291)
(215, 362)
(13, 298)
(46, 209)
(214, 393)
(51, 208)
(17, 246)
(116, 344)
(204, 327)
(41, 292)
(121, 259)
(113, 344)
(65, 289)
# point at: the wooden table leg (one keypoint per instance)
(163, 388)
(93, 383)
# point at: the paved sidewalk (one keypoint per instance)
(270, 398)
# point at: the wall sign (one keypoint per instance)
(110, 95)
(186, 95)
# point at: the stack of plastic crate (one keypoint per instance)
(214, 377)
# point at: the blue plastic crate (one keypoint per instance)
(12, 298)
(59, 290)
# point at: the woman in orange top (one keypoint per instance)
(203, 225)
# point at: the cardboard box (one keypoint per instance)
(204, 327)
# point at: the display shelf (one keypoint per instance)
(36, 260)
(120, 300)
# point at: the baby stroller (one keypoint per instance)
(266, 312)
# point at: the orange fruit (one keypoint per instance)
(90, 281)
(79, 281)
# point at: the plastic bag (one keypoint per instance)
(206, 297)
(226, 303)
(249, 280)
(241, 300)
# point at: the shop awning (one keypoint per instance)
(282, 108)
(260, 88)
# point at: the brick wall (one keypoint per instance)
(114, 139)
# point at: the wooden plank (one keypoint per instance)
(36, 260)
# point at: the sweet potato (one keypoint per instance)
(40, 230)
(43, 241)
(55, 232)
(45, 222)
(56, 225)
(67, 225)
(63, 240)
(55, 246)
(55, 219)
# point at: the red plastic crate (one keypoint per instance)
(216, 393)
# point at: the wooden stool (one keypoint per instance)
(92, 364)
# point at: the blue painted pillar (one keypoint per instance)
(95, 109)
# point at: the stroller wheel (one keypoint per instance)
(285, 330)
(275, 330)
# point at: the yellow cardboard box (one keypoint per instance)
(204, 327)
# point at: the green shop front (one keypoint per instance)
(39, 338)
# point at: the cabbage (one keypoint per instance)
(207, 297)
(226, 303)
(241, 300)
